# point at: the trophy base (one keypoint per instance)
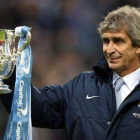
(5, 89)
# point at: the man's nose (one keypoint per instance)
(111, 48)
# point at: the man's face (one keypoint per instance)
(121, 56)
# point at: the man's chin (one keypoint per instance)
(114, 66)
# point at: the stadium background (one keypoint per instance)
(64, 42)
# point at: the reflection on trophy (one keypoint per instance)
(8, 55)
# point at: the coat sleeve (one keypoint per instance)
(48, 104)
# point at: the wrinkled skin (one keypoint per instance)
(121, 56)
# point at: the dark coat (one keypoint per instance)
(86, 107)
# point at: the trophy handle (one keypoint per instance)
(25, 44)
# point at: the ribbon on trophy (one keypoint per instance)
(19, 125)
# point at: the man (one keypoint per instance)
(94, 105)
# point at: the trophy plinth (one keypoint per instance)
(4, 88)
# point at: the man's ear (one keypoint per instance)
(138, 50)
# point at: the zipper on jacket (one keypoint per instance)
(75, 128)
(113, 109)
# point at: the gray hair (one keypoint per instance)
(126, 18)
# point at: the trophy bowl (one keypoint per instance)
(8, 53)
(7, 49)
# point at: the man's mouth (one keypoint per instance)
(113, 58)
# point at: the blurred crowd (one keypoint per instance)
(65, 41)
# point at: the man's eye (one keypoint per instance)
(118, 41)
(105, 41)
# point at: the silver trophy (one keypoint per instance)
(8, 55)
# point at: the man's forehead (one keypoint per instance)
(114, 34)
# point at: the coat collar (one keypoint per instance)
(101, 68)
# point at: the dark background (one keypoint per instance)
(64, 42)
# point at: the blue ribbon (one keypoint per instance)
(19, 124)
